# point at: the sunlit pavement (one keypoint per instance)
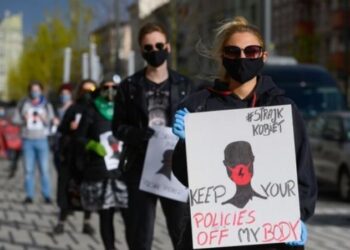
(30, 227)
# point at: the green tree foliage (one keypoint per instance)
(42, 56)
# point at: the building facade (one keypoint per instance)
(113, 48)
(11, 46)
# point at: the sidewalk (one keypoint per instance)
(29, 227)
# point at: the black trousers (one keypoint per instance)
(185, 242)
(107, 228)
(140, 216)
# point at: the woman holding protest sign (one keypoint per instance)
(102, 188)
(239, 50)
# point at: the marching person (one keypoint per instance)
(147, 98)
(239, 51)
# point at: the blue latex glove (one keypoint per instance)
(303, 237)
(179, 123)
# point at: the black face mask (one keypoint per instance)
(85, 97)
(243, 69)
(155, 58)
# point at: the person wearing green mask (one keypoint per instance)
(102, 188)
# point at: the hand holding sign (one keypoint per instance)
(303, 237)
(179, 123)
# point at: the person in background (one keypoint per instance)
(68, 174)
(102, 189)
(239, 51)
(10, 141)
(148, 98)
(65, 93)
(35, 115)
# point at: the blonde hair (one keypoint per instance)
(222, 34)
(226, 30)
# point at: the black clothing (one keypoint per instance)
(266, 93)
(67, 154)
(130, 120)
(131, 125)
(140, 217)
(91, 126)
(107, 228)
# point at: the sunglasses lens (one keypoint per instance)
(148, 47)
(252, 51)
(160, 46)
(232, 51)
(109, 87)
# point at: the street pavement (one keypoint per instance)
(329, 228)
(29, 227)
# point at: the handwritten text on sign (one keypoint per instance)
(243, 183)
(266, 120)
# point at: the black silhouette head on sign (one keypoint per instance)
(239, 159)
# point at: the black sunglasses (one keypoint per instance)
(251, 51)
(109, 87)
(149, 47)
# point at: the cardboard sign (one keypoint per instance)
(157, 176)
(113, 148)
(242, 177)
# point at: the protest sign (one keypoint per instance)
(242, 177)
(157, 176)
(113, 149)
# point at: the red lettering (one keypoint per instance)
(268, 234)
(202, 238)
(211, 237)
(294, 227)
(227, 221)
(279, 232)
(223, 234)
(251, 215)
(221, 219)
(198, 218)
(208, 220)
(240, 217)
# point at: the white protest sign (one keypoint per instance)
(242, 177)
(113, 148)
(157, 176)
